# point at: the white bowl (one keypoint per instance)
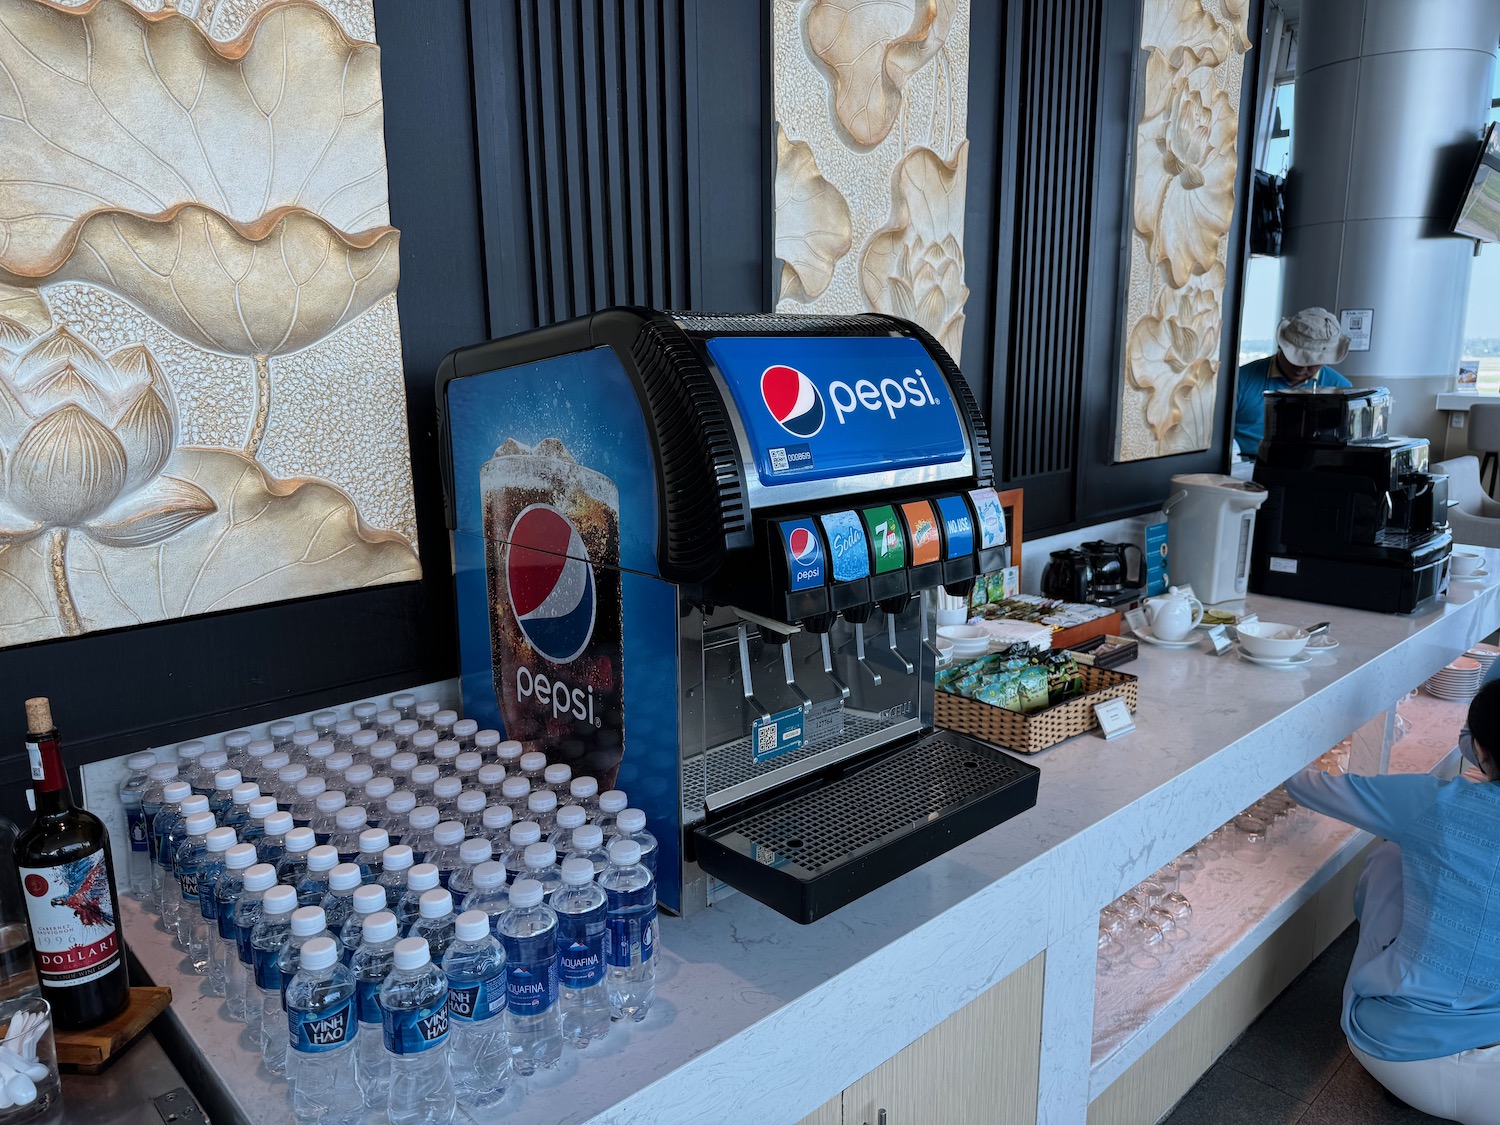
(1272, 641)
(1464, 563)
(963, 633)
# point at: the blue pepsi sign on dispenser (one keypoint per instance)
(816, 408)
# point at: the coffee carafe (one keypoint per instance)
(1068, 576)
(1111, 574)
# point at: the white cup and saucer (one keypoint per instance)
(1467, 566)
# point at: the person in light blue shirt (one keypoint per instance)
(1422, 999)
(1305, 345)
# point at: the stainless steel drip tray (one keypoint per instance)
(808, 850)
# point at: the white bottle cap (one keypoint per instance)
(191, 751)
(525, 892)
(310, 787)
(330, 802)
(381, 926)
(446, 750)
(447, 788)
(344, 877)
(358, 775)
(489, 874)
(404, 761)
(260, 747)
(262, 807)
(509, 750)
(425, 739)
(244, 792)
(425, 774)
(226, 780)
(308, 920)
(319, 953)
(320, 749)
(301, 840)
(491, 775)
(276, 762)
(435, 903)
(588, 838)
(175, 791)
(541, 855)
(163, 771)
(445, 718)
(411, 953)
(237, 739)
(557, 773)
(428, 708)
(424, 816)
(534, 761)
(469, 762)
(571, 817)
(401, 801)
(497, 817)
(403, 701)
(543, 801)
(345, 727)
(465, 728)
(405, 728)
(350, 817)
(195, 803)
(241, 856)
(471, 801)
(515, 788)
(397, 857)
(379, 788)
(388, 718)
(324, 857)
(613, 801)
(624, 852)
(374, 841)
(280, 899)
(363, 739)
(422, 877)
(261, 876)
(582, 788)
(304, 737)
(448, 833)
(486, 738)
(292, 774)
(365, 710)
(213, 759)
(631, 821)
(472, 925)
(143, 760)
(339, 761)
(282, 728)
(524, 833)
(576, 871)
(475, 851)
(279, 824)
(369, 900)
(221, 839)
(324, 718)
(382, 750)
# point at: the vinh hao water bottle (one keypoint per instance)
(224, 963)
(136, 879)
(629, 932)
(435, 922)
(272, 932)
(419, 880)
(370, 964)
(218, 842)
(259, 878)
(371, 847)
(322, 1030)
(163, 879)
(338, 903)
(479, 1057)
(414, 1021)
(192, 931)
(583, 998)
(528, 934)
(367, 900)
(152, 802)
(395, 864)
(490, 893)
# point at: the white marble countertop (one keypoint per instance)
(761, 1019)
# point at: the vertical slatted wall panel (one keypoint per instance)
(1040, 378)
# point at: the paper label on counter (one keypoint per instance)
(1283, 566)
(1114, 717)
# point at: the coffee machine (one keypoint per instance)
(696, 557)
(1352, 516)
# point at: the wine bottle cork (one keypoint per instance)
(38, 715)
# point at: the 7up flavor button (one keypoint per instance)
(805, 568)
(887, 542)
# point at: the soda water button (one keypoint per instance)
(848, 549)
(887, 542)
(991, 516)
(958, 526)
(804, 554)
(921, 525)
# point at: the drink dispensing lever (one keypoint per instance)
(893, 608)
(748, 682)
(857, 616)
(791, 678)
(828, 662)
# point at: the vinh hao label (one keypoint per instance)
(312, 1034)
(412, 1031)
(72, 920)
(477, 1000)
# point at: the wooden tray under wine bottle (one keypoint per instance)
(91, 1050)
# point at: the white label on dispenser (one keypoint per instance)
(1284, 566)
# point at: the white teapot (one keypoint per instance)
(1173, 615)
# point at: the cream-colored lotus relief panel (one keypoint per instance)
(197, 313)
(1183, 202)
(871, 102)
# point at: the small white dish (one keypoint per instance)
(1192, 640)
(1474, 577)
(1271, 640)
(963, 633)
(1276, 662)
(1328, 644)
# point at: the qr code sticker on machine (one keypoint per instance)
(777, 734)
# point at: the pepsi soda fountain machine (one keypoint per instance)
(695, 557)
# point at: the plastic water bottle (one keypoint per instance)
(522, 835)
(468, 764)
(365, 901)
(584, 792)
(435, 921)
(322, 1031)
(272, 932)
(272, 846)
(423, 779)
(419, 880)
(465, 732)
(485, 741)
(292, 866)
(344, 731)
(382, 750)
(490, 893)
(386, 720)
(168, 819)
(541, 865)
(313, 884)
(541, 809)
(445, 757)
(192, 931)
(588, 843)
(307, 923)
(235, 743)
(403, 761)
(348, 823)
(443, 722)
(305, 807)
(318, 753)
(479, 1056)
(171, 841)
(338, 903)
(449, 837)
(495, 826)
(630, 931)
(138, 867)
(395, 864)
(471, 853)
(326, 807)
(205, 765)
(376, 790)
(370, 964)
(301, 740)
(216, 844)
(612, 802)
(421, 821)
(259, 878)
(583, 997)
(287, 780)
(258, 811)
(224, 963)
(569, 819)
(281, 732)
(222, 797)
(372, 843)
(533, 766)
(490, 777)
(508, 754)
(414, 1011)
(471, 804)
(253, 767)
(398, 809)
(514, 791)
(423, 745)
(631, 825)
(556, 778)
(528, 934)
(159, 777)
(360, 743)
(237, 815)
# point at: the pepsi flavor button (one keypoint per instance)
(805, 568)
(887, 543)
(958, 526)
(848, 548)
(991, 517)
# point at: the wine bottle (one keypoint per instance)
(69, 890)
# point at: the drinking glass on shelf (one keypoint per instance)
(1252, 843)
(1111, 951)
(1166, 924)
(1130, 908)
(1186, 866)
(1149, 892)
(1112, 922)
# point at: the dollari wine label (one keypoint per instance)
(412, 1031)
(312, 1033)
(72, 920)
(477, 1000)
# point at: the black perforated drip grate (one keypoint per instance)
(733, 764)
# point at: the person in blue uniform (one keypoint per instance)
(1422, 999)
(1305, 346)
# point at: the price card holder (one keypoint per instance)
(1114, 718)
(1136, 619)
(1218, 637)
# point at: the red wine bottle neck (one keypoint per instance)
(48, 777)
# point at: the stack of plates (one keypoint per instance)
(968, 641)
(1486, 655)
(1458, 681)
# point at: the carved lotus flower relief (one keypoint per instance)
(812, 221)
(1173, 355)
(1174, 28)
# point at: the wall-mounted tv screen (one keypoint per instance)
(1479, 213)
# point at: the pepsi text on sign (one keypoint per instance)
(794, 401)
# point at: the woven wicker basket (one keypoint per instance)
(1027, 733)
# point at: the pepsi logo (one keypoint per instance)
(792, 400)
(550, 582)
(803, 545)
